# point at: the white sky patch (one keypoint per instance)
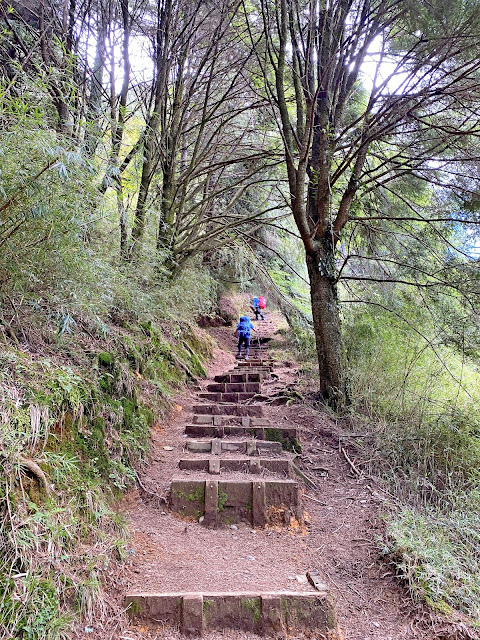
(140, 51)
(373, 68)
(379, 68)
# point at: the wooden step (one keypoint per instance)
(224, 502)
(227, 397)
(244, 376)
(250, 447)
(216, 465)
(234, 387)
(256, 368)
(244, 421)
(275, 614)
(287, 436)
(229, 409)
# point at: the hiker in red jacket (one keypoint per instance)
(257, 306)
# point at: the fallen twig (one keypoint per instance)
(154, 494)
(354, 435)
(324, 504)
(352, 465)
(304, 477)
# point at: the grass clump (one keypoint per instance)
(253, 606)
(437, 554)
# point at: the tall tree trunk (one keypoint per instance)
(151, 145)
(150, 158)
(326, 325)
(94, 104)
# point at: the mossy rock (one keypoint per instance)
(135, 354)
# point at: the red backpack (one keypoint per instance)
(262, 303)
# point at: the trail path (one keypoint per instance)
(331, 530)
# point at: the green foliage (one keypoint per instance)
(288, 444)
(36, 614)
(419, 396)
(222, 500)
(423, 396)
(253, 606)
(49, 201)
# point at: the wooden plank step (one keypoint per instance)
(248, 465)
(229, 409)
(287, 436)
(234, 387)
(220, 431)
(253, 369)
(273, 614)
(244, 376)
(227, 397)
(245, 421)
(256, 502)
(250, 447)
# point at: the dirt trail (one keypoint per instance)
(170, 554)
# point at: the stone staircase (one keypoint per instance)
(237, 470)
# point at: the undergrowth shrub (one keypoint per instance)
(59, 241)
(418, 398)
(293, 298)
(421, 396)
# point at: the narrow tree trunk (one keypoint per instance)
(167, 215)
(151, 146)
(122, 217)
(63, 112)
(327, 328)
(138, 229)
(94, 104)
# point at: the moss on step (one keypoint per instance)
(288, 443)
(222, 500)
(253, 605)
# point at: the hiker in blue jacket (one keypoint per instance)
(242, 332)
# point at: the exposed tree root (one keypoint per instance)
(35, 470)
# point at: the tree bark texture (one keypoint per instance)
(327, 329)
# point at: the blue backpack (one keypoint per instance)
(255, 301)
(243, 327)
